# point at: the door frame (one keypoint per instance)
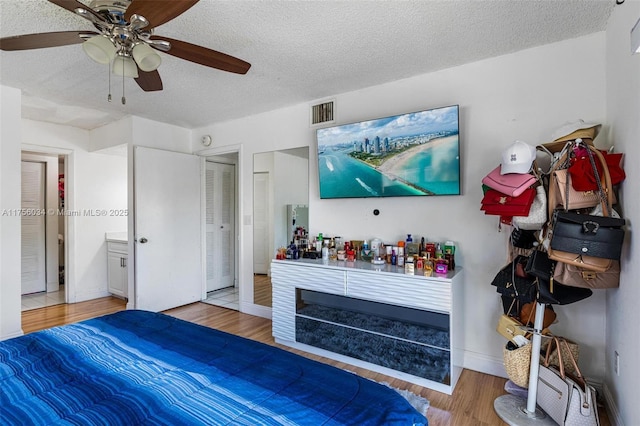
(213, 154)
(69, 221)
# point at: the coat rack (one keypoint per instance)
(517, 411)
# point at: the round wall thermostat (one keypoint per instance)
(206, 140)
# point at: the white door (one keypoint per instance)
(261, 249)
(220, 223)
(168, 271)
(33, 250)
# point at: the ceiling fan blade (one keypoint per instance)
(149, 81)
(72, 5)
(157, 12)
(41, 40)
(203, 56)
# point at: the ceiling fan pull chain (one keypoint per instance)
(109, 72)
(124, 100)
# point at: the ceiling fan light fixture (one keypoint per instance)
(146, 58)
(100, 49)
(125, 66)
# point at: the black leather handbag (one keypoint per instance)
(512, 281)
(554, 293)
(589, 235)
(539, 265)
(549, 291)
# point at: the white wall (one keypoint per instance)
(525, 95)
(291, 186)
(10, 107)
(97, 182)
(112, 135)
(623, 115)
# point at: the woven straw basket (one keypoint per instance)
(517, 363)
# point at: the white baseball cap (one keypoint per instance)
(517, 158)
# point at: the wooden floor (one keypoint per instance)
(471, 403)
(262, 290)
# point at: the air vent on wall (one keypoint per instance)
(322, 113)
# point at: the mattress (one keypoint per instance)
(138, 367)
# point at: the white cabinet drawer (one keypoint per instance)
(309, 278)
(117, 247)
(433, 295)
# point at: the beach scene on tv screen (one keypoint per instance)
(411, 154)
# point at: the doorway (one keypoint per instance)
(43, 231)
(220, 231)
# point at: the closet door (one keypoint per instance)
(220, 224)
(33, 228)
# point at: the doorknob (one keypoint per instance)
(143, 240)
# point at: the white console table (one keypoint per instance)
(406, 299)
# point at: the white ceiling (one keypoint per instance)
(299, 51)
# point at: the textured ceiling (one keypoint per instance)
(299, 51)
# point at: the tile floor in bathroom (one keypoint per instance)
(42, 299)
(225, 297)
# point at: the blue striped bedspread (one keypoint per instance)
(138, 367)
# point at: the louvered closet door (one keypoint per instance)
(220, 223)
(33, 228)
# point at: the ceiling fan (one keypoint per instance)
(126, 39)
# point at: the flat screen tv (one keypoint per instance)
(414, 154)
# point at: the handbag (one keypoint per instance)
(508, 283)
(570, 349)
(553, 293)
(529, 311)
(539, 265)
(567, 400)
(537, 216)
(581, 172)
(598, 236)
(568, 197)
(509, 326)
(517, 363)
(497, 203)
(561, 190)
(591, 263)
(575, 276)
(512, 184)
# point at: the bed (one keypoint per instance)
(138, 367)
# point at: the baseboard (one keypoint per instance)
(12, 335)
(82, 296)
(257, 310)
(612, 407)
(484, 364)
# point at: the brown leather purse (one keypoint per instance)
(575, 276)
